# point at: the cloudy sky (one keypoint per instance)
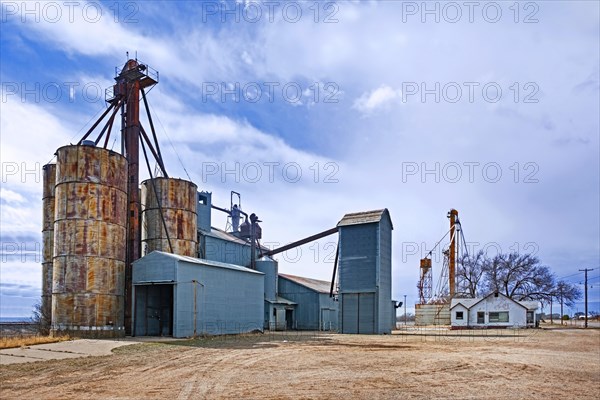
(314, 109)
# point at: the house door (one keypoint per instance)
(530, 317)
(289, 319)
(327, 318)
(480, 317)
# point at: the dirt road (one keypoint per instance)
(555, 364)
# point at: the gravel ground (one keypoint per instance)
(526, 364)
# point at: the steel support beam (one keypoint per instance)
(301, 242)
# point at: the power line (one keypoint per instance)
(576, 273)
(170, 141)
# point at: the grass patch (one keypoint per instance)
(20, 341)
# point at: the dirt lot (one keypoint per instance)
(548, 364)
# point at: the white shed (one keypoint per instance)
(492, 311)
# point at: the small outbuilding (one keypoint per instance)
(492, 311)
(183, 296)
(315, 309)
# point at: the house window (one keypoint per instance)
(480, 317)
(202, 199)
(459, 315)
(499, 316)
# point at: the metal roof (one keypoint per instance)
(281, 300)
(221, 234)
(313, 284)
(199, 261)
(468, 303)
(530, 305)
(364, 217)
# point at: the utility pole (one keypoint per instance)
(561, 305)
(585, 270)
(405, 310)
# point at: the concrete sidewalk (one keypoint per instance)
(61, 350)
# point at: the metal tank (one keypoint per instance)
(89, 242)
(178, 203)
(269, 267)
(49, 181)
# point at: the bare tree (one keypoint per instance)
(41, 319)
(566, 293)
(470, 273)
(519, 277)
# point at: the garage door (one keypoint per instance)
(358, 313)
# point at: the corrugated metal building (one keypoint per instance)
(365, 272)
(185, 296)
(314, 310)
(216, 244)
(279, 312)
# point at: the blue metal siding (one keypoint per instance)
(385, 277)
(203, 211)
(358, 257)
(365, 268)
(226, 251)
(154, 268)
(269, 267)
(307, 308)
(349, 312)
(227, 301)
(329, 312)
(366, 313)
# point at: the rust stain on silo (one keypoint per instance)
(178, 203)
(89, 241)
(49, 181)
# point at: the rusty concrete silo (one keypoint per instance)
(49, 180)
(89, 241)
(178, 202)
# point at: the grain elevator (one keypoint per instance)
(124, 257)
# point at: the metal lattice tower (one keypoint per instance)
(425, 284)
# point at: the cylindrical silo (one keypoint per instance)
(178, 203)
(49, 181)
(269, 267)
(89, 241)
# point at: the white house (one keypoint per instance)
(492, 311)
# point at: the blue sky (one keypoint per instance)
(492, 110)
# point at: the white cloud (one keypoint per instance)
(246, 57)
(8, 196)
(377, 99)
(365, 48)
